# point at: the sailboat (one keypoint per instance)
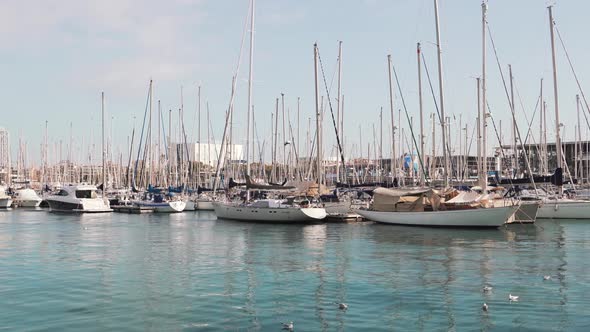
(266, 210)
(560, 207)
(424, 206)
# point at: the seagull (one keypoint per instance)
(487, 289)
(287, 143)
(512, 298)
(288, 326)
(342, 306)
(485, 307)
(546, 277)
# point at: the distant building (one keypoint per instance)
(4, 156)
(206, 153)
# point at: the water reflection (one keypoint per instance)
(162, 272)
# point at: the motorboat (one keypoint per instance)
(425, 207)
(26, 197)
(270, 210)
(5, 200)
(78, 198)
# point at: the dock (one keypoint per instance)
(132, 209)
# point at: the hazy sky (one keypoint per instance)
(56, 56)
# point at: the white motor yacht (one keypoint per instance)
(78, 198)
(26, 197)
(5, 200)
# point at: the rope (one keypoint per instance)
(409, 122)
(517, 130)
(331, 110)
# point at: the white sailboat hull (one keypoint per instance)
(275, 215)
(205, 205)
(163, 207)
(564, 210)
(492, 217)
(190, 205)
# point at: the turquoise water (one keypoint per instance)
(191, 272)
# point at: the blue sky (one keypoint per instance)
(57, 56)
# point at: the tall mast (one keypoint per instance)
(541, 154)
(317, 117)
(555, 95)
(339, 108)
(284, 138)
(578, 135)
(149, 140)
(441, 101)
(159, 143)
(381, 145)
(483, 177)
(515, 164)
(199, 138)
(479, 141)
(422, 174)
(252, 4)
(433, 161)
(298, 150)
(104, 151)
(393, 156)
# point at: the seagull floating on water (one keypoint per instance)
(512, 298)
(546, 277)
(485, 307)
(342, 306)
(487, 289)
(288, 326)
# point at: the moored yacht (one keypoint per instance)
(5, 200)
(26, 197)
(423, 207)
(270, 210)
(160, 203)
(78, 198)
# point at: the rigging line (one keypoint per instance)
(133, 175)
(571, 66)
(437, 110)
(164, 132)
(470, 144)
(331, 110)
(517, 130)
(500, 142)
(530, 123)
(221, 158)
(409, 122)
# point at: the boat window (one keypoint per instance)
(85, 194)
(62, 193)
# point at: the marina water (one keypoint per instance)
(191, 272)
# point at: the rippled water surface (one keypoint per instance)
(191, 272)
